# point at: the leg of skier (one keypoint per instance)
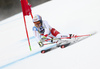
(57, 34)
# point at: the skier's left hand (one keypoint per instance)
(43, 39)
(45, 36)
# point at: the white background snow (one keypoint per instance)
(67, 16)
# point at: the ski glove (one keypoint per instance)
(44, 38)
(40, 44)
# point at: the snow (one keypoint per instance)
(74, 16)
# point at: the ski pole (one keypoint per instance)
(69, 37)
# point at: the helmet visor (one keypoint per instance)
(38, 22)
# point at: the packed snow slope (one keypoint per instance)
(67, 16)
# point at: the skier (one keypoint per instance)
(43, 30)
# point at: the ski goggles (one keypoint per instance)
(38, 22)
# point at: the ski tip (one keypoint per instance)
(93, 33)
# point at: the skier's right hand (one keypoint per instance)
(40, 44)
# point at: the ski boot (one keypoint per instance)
(71, 36)
(63, 43)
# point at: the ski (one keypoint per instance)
(57, 46)
(68, 42)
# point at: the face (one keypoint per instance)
(37, 24)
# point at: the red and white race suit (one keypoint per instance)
(45, 30)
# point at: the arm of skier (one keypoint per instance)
(37, 36)
(47, 29)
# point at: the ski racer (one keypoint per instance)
(43, 30)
